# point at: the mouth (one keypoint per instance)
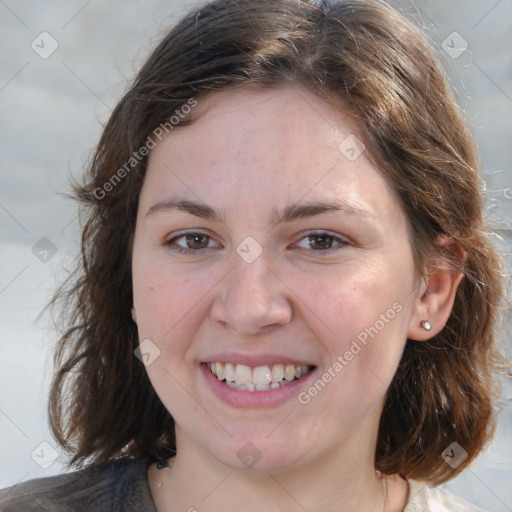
(258, 378)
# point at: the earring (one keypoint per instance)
(426, 325)
(163, 464)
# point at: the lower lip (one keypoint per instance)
(254, 399)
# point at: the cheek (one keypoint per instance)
(166, 297)
(360, 314)
(350, 299)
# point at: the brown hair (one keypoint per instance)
(102, 405)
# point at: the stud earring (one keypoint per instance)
(426, 325)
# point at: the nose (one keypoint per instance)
(252, 299)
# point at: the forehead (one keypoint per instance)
(288, 122)
(274, 145)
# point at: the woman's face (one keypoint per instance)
(266, 247)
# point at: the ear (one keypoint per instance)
(436, 293)
(134, 314)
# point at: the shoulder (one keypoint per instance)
(426, 499)
(118, 486)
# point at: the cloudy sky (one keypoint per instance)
(63, 67)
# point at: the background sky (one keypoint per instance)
(63, 66)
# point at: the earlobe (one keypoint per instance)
(435, 298)
(134, 314)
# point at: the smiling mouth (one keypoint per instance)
(259, 378)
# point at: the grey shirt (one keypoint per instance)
(119, 487)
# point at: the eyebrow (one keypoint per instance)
(288, 214)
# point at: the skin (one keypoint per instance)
(247, 155)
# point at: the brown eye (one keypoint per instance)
(190, 243)
(320, 242)
(197, 241)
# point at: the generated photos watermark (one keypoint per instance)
(137, 156)
(305, 397)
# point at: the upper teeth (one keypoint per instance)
(260, 376)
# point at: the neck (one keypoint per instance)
(344, 479)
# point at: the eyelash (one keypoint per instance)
(172, 243)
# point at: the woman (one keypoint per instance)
(287, 298)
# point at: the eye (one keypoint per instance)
(321, 241)
(189, 242)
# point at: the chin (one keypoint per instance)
(260, 452)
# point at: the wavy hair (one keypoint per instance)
(381, 68)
